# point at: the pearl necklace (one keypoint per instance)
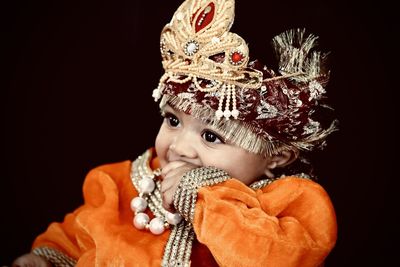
(148, 187)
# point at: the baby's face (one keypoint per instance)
(185, 138)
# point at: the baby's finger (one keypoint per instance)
(167, 200)
(166, 184)
(170, 166)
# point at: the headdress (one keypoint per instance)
(208, 74)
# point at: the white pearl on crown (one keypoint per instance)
(179, 16)
(191, 48)
(219, 113)
(235, 113)
(156, 94)
(215, 40)
(227, 114)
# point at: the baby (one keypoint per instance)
(227, 181)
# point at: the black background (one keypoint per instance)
(79, 77)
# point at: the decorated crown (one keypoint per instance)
(208, 74)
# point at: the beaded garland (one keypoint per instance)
(143, 178)
(179, 246)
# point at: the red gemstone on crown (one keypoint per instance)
(205, 17)
(237, 57)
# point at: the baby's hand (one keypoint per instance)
(31, 260)
(172, 174)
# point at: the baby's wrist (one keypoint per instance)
(185, 196)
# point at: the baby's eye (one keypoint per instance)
(172, 120)
(212, 137)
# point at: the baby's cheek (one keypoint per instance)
(239, 169)
(161, 148)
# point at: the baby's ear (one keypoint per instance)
(284, 158)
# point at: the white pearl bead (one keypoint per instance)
(173, 218)
(215, 40)
(191, 48)
(138, 204)
(235, 113)
(219, 113)
(227, 113)
(157, 226)
(140, 220)
(146, 185)
(156, 94)
(179, 16)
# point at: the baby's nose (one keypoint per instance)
(184, 146)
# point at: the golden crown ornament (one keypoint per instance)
(197, 44)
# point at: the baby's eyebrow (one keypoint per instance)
(163, 108)
(207, 121)
(171, 107)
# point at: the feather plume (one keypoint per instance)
(296, 55)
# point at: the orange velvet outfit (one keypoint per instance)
(290, 222)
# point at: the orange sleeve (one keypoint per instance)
(291, 222)
(74, 236)
(64, 237)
